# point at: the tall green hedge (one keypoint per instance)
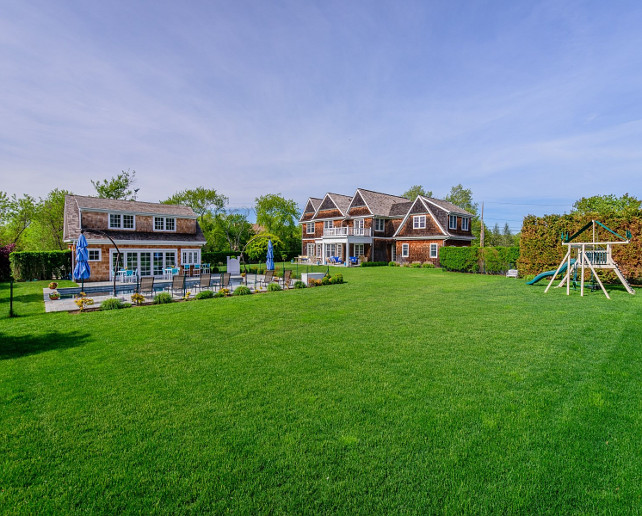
(40, 265)
(215, 257)
(541, 248)
(491, 260)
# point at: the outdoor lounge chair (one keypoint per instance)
(287, 277)
(267, 279)
(225, 280)
(178, 284)
(146, 285)
(204, 282)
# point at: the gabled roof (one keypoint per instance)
(383, 204)
(311, 206)
(340, 201)
(85, 203)
(425, 209)
(449, 207)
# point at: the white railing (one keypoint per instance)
(346, 231)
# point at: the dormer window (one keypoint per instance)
(164, 224)
(465, 224)
(452, 221)
(120, 221)
(419, 222)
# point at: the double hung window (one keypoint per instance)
(405, 250)
(465, 224)
(379, 224)
(419, 222)
(309, 228)
(121, 221)
(164, 224)
(434, 250)
(452, 221)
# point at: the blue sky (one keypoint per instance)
(532, 105)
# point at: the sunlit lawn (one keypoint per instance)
(404, 390)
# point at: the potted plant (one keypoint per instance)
(53, 285)
(54, 295)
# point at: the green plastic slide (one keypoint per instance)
(548, 274)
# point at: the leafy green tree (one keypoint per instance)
(201, 200)
(16, 215)
(414, 191)
(256, 248)
(235, 228)
(606, 204)
(462, 197)
(46, 230)
(279, 216)
(119, 187)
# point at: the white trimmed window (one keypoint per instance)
(379, 224)
(93, 255)
(164, 224)
(309, 228)
(120, 221)
(328, 224)
(359, 250)
(319, 249)
(310, 250)
(465, 224)
(419, 222)
(191, 257)
(434, 250)
(452, 221)
(405, 250)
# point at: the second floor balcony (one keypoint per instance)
(346, 231)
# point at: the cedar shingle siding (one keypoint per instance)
(396, 212)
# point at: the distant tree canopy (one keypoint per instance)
(280, 217)
(414, 191)
(462, 197)
(257, 247)
(606, 204)
(201, 200)
(118, 187)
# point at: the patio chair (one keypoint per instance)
(267, 279)
(186, 269)
(196, 269)
(225, 280)
(354, 260)
(204, 281)
(178, 284)
(146, 285)
(287, 277)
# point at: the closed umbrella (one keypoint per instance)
(269, 261)
(82, 270)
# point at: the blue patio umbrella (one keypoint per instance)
(82, 270)
(269, 261)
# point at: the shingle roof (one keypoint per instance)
(448, 206)
(85, 203)
(156, 236)
(342, 201)
(75, 203)
(383, 204)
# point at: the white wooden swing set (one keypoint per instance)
(590, 255)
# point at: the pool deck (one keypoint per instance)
(125, 290)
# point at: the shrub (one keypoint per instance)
(113, 303)
(325, 280)
(138, 299)
(204, 294)
(42, 265)
(163, 298)
(5, 263)
(222, 292)
(314, 283)
(416, 265)
(299, 284)
(241, 291)
(217, 257)
(82, 301)
(374, 264)
(428, 265)
(337, 279)
(393, 264)
(462, 259)
(274, 287)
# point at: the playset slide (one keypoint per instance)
(548, 274)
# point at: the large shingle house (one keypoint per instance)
(382, 227)
(150, 236)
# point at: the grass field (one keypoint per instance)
(402, 391)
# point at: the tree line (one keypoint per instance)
(36, 224)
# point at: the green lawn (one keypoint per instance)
(402, 391)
